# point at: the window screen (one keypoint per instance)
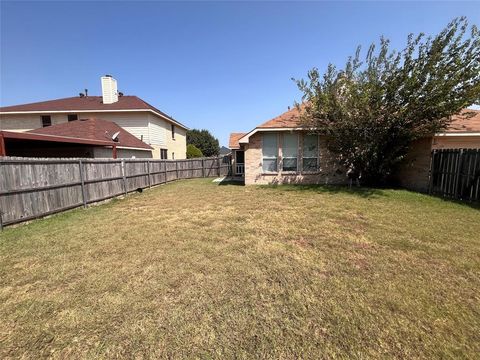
(269, 152)
(310, 153)
(290, 151)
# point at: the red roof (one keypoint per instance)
(233, 141)
(464, 123)
(93, 103)
(460, 122)
(289, 119)
(93, 129)
(52, 138)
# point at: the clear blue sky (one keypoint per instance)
(223, 66)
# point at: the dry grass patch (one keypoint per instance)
(196, 269)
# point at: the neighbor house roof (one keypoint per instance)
(88, 103)
(233, 141)
(93, 129)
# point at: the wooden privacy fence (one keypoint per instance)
(31, 188)
(455, 173)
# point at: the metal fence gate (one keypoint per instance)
(455, 173)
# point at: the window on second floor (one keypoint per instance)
(72, 117)
(173, 132)
(46, 120)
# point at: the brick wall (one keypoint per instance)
(329, 172)
(414, 171)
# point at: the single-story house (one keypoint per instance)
(282, 151)
(164, 134)
(85, 138)
(463, 132)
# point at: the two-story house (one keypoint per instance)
(164, 134)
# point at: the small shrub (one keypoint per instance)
(193, 152)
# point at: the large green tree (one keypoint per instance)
(203, 140)
(372, 110)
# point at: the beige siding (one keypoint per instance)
(456, 142)
(157, 128)
(329, 172)
(99, 152)
(136, 123)
(27, 122)
(177, 145)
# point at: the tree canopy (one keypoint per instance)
(204, 141)
(372, 110)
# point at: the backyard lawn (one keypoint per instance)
(197, 269)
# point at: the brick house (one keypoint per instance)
(281, 151)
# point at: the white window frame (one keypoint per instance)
(317, 167)
(270, 157)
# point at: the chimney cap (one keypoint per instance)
(108, 76)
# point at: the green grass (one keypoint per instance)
(196, 269)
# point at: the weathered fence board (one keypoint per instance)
(455, 173)
(31, 188)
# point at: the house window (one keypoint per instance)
(310, 153)
(163, 154)
(173, 132)
(269, 152)
(72, 117)
(46, 120)
(289, 152)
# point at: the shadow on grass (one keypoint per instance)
(232, 181)
(363, 192)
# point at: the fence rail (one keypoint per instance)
(32, 187)
(455, 173)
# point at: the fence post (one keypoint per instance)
(148, 170)
(218, 165)
(165, 170)
(176, 169)
(82, 182)
(1, 220)
(124, 177)
(203, 167)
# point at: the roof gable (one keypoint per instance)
(233, 141)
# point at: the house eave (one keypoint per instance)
(93, 110)
(245, 139)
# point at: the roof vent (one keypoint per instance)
(109, 89)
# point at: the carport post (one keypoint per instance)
(3, 152)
